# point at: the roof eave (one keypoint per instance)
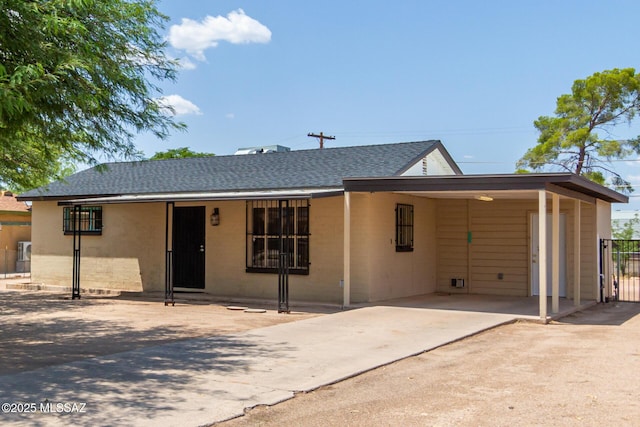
(42, 198)
(313, 193)
(457, 183)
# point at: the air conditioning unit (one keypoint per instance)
(24, 251)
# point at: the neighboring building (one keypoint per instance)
(15, 234)
(366, 223)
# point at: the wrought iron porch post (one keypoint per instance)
(77, 232)
(283, 259)
(168, 248)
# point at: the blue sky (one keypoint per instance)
(473, 74)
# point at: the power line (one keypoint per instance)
(501, 129)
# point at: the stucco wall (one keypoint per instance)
(226, 262)
(391, 274)
(129, 255)
(361, 224)
(130, 252)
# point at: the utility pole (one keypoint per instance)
(322, 137)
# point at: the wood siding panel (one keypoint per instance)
(501, 243)
(589, 253)
(451, 243)
(500, 247)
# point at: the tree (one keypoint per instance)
(626, 230)
(77, 81)
(178, 153)
(570, 140)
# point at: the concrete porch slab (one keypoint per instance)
(525, 308)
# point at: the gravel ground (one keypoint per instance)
(581, 371)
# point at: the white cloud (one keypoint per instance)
(178, 106)
(186, 64)
(195, 37)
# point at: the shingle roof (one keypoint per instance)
(286, 170)
(8, 203)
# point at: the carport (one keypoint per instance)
(539, 202)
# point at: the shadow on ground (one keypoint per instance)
(39, 329)
(202, 298)
(135, 381)
(26, 302)
(611, 314)
(27, 346)
(53, 349)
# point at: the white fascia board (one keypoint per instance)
(208, 196)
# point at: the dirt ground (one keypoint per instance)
(581, 371)
(40, 329)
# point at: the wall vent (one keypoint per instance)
(457, 283)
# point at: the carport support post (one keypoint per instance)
(577, 215)
(542, 252)
(346, 280)
(555, 253)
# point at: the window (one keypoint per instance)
(404, 228)
(266, 233)
(90, 220)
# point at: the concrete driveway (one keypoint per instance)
(202, 381)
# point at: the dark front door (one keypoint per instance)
(188, 247)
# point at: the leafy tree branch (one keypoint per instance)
(77, 81)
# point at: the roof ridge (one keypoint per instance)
(350, 147)
(368, 145)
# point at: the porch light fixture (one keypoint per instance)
(484, 198)
(215, 217)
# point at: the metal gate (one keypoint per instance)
(620, 270)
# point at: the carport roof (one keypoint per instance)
(567, 184)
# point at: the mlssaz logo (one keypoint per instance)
(62, 408)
